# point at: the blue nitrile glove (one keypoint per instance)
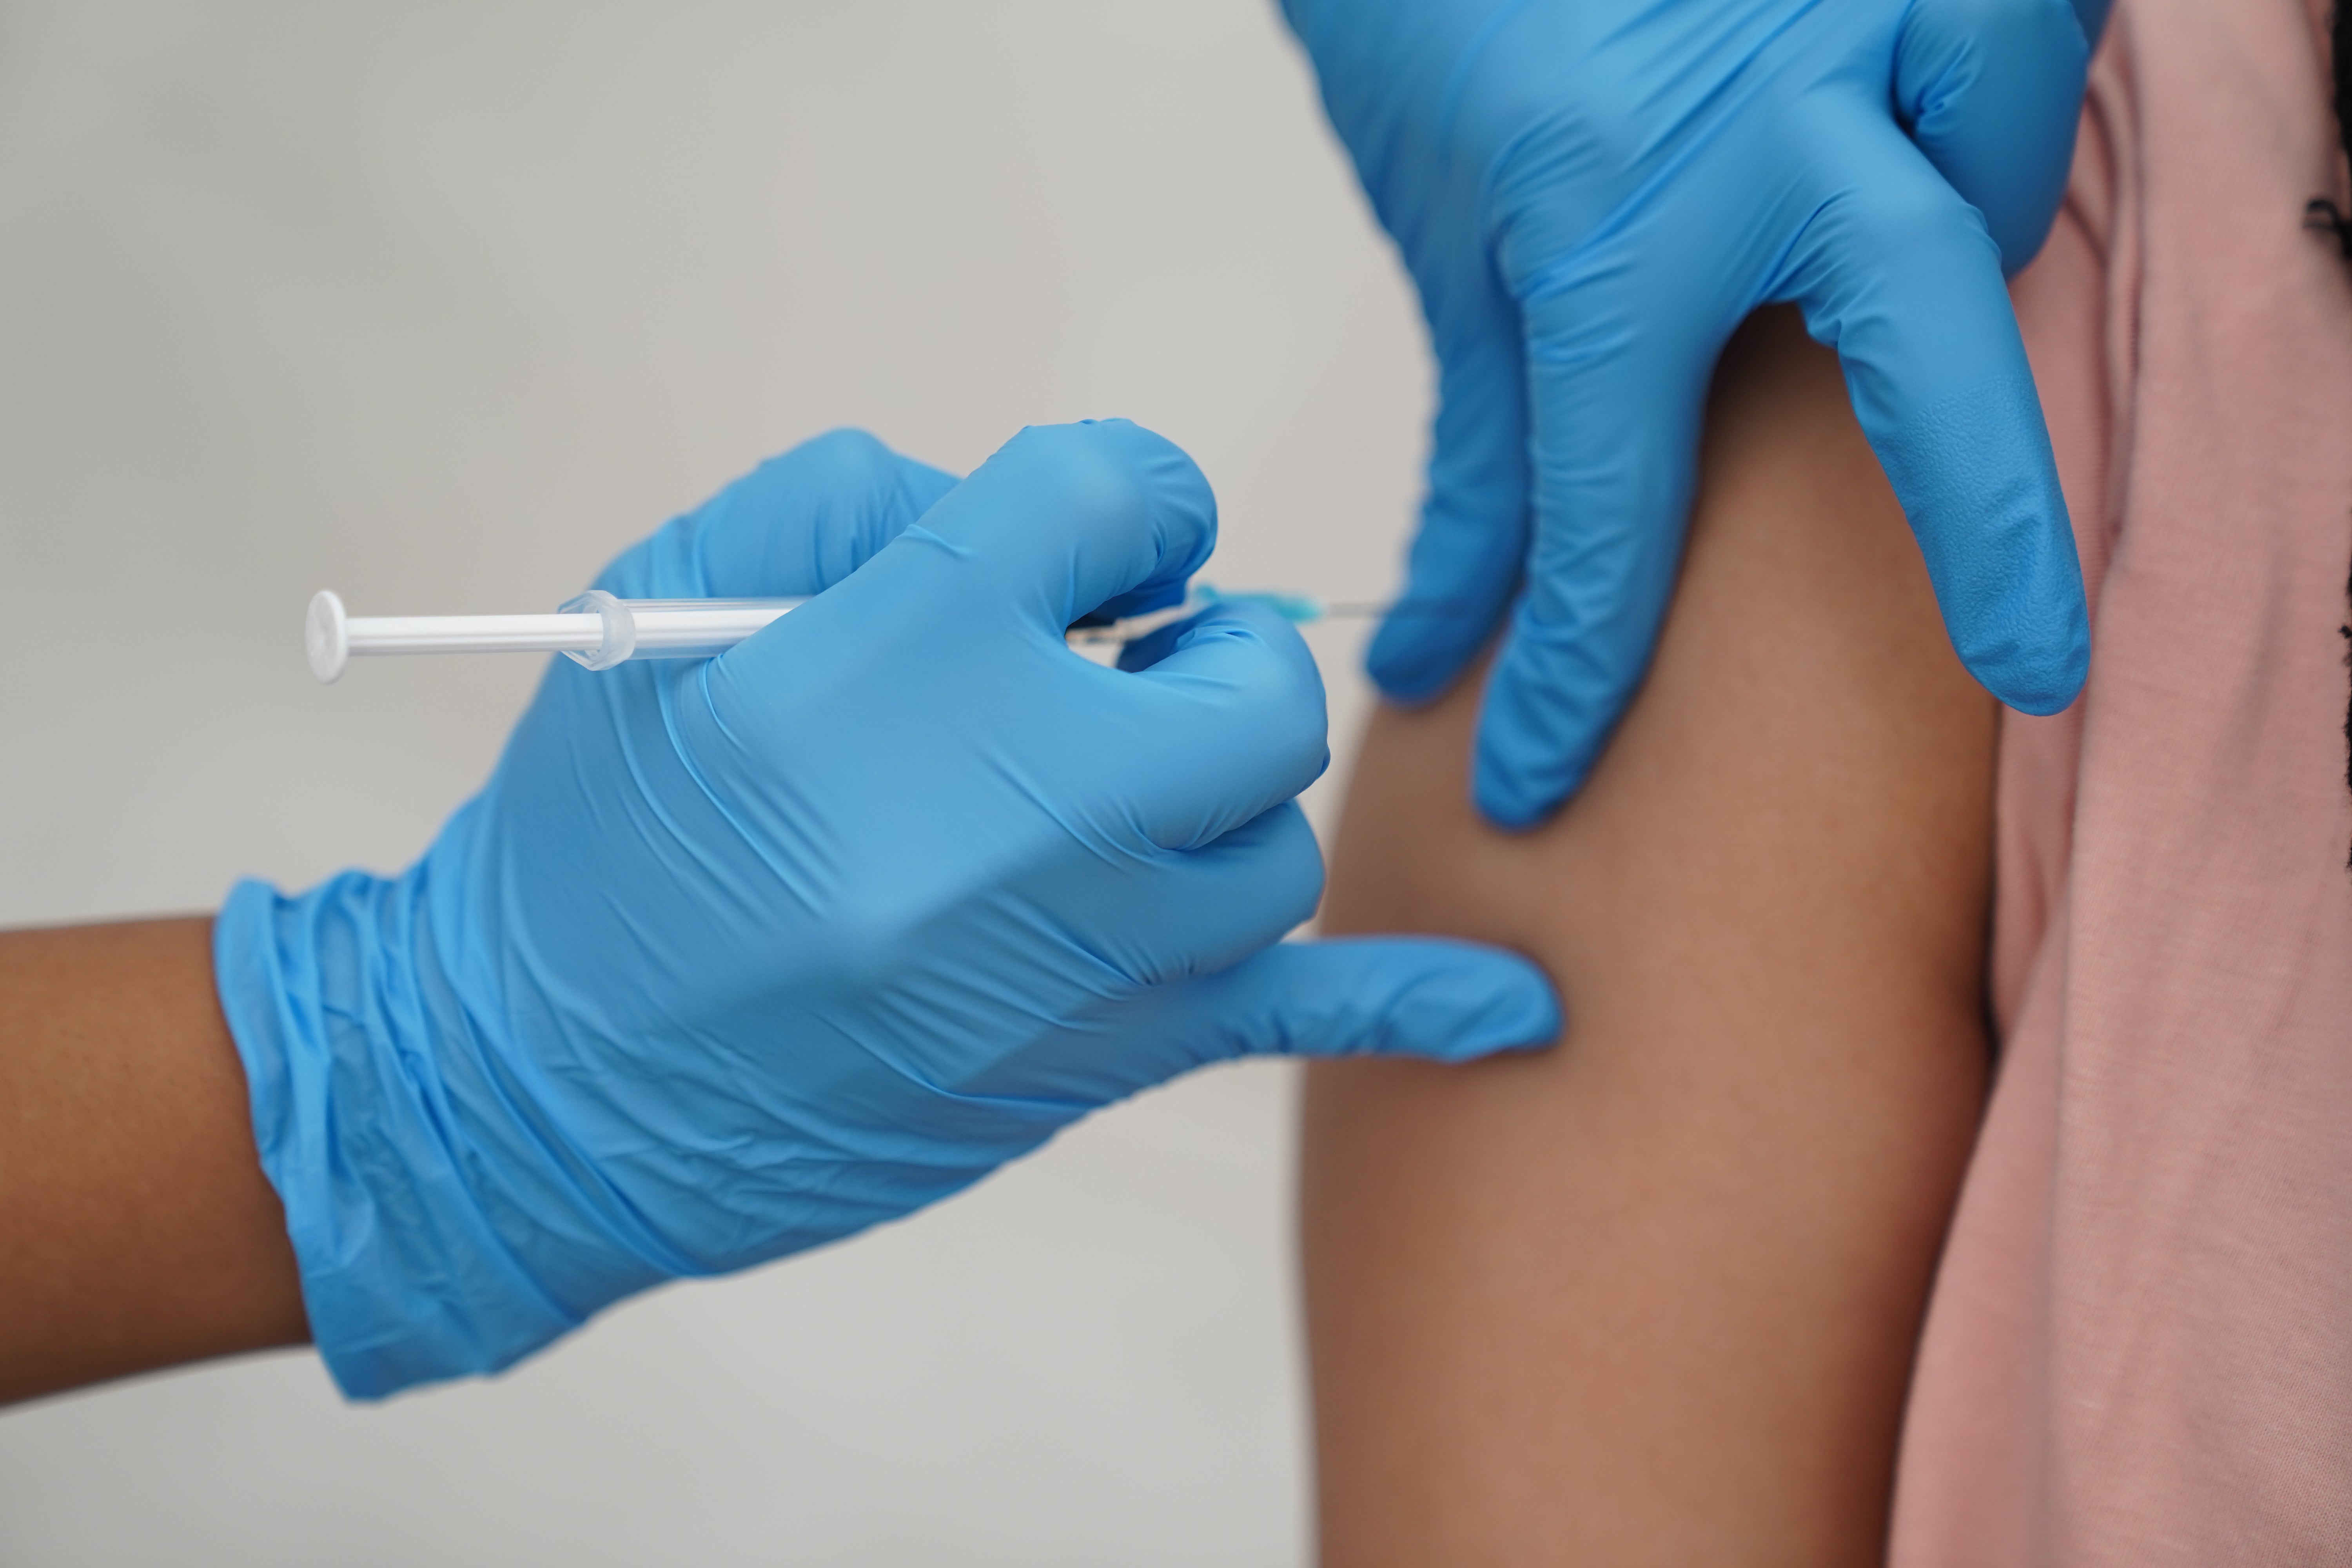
(734, 957)
(1591, 194)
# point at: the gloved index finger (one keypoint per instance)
(1229, 724)
(1473, 539)
(1061, 521)
(794, 526)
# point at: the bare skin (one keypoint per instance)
(1652, 1298)
(136, 1228)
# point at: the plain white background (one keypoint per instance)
(441, 304)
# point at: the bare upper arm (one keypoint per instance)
(1650, 1297)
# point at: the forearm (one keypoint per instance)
(136, 1228)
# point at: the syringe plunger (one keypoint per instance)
(596, 629)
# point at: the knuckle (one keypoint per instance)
(1963, 21)
(1949, 48)
(1914, 218)
(1092, 467)
(1994, 20)
(847, 455)
(1124, 487)
(848, 444)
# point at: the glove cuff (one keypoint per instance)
(417, 1262)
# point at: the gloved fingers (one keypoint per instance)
(1991, 91)
(1391, 997)
(1213, 906)
(1061, 520)
(795, 525)
(1614, 391)
(1897, 273)
(1466, 556)
(1230, 723)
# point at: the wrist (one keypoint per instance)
(441, 1227)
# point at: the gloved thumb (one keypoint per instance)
(1473, 542)
(1401, 996)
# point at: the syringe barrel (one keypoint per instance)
(689, 628)
(665, 628)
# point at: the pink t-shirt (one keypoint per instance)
(2140, 1347)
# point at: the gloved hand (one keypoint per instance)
(734, 957)
(1591, 194)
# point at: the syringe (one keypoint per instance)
(600, 631)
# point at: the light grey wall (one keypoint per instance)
(439, 305)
